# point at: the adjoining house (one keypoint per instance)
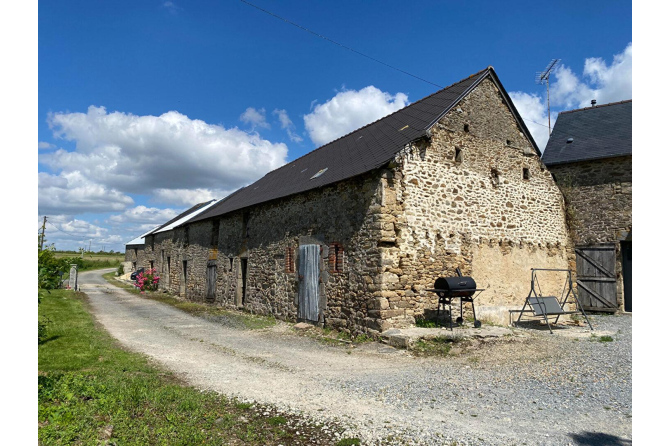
(590, 153)
(352, 234)
(135, 253)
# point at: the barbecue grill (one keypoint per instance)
(462, 287)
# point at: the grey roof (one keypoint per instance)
(360, 151)
(603, 131)
(186, 213)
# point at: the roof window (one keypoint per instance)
(319, 173)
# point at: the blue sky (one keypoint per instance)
(148, 107)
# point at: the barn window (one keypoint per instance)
(231, 264)
(495, 177)
(458, 156)
(466, 128)
(151, 264)
(526, 173)
(335, 258)
(289, 260)
(508, 142)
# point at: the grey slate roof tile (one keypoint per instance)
(603, 131)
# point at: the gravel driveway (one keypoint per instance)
(536, 390)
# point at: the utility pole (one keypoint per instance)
(89, 246)
(44, 224)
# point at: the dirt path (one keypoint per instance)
(382, 393)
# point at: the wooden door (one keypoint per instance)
(596, 277)
(211, 283)
(627, 269)
(308, 290)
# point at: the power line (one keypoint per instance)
(340, 45)
(73, 235)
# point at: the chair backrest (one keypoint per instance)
(545, 305)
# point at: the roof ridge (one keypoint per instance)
(386, 116)
(596, 106)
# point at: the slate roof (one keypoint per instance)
(603, 131)
(360, 151)
(139, 240)
(186, 213)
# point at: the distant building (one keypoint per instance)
(590, 153)
(352, 234)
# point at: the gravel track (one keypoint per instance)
(539, 389)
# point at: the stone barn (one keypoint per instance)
(590, 153)
(353, 233)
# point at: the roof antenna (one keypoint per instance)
(543, 78)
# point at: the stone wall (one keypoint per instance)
(599, 196)
(262, 236)
(476, 197)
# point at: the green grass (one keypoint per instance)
(605, 339)
(425, 323)
(438, 346)
(91, 391)
(248, 321)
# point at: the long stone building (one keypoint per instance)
(590, 153)
(352, 234)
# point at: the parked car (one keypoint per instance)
(133, 276)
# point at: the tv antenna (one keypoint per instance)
(543, 78)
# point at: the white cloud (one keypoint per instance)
(120, 153)
(69, 233)
(171, 7)
(349, 110)
(45, 145)
(255, 118)
(599, 81)
(74, 193)
(287, 124)
(144, 215)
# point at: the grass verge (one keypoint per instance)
(91, 391)
(239, 319)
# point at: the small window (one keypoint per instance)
(335, 258)
(458, 156)
(508, 142)
(526, 173)
(151, 264)
(466, 128)
(495, 177)
(289, 260)
(231, 264)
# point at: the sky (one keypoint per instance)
(146, 108)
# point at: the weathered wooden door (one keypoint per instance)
(211, 283)
(627, 269)
(308, 290)
(596, 277)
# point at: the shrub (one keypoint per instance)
(147, 280)
(119, 272)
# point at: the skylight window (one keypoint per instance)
(319, 173)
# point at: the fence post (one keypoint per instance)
(73, 276)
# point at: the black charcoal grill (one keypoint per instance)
(462, 287)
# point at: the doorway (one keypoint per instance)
(184, 277)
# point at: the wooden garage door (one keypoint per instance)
(596, 277)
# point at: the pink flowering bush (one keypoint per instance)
(147, 280)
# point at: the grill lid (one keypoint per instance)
(459, 285)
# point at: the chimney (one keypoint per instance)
(593, 102)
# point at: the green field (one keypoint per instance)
(92, 391)
(91, 261)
